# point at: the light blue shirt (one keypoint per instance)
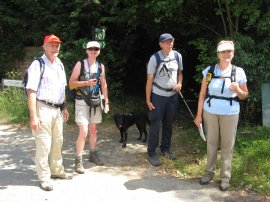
(218, 106)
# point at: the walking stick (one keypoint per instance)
(200, 128)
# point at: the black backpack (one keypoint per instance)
(211, 75)
(42, 68)
(70, 91)
(93, 99)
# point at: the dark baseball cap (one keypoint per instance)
(165, 37)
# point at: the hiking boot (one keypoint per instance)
(154, 160)
(94, 158)
(64, 176)
(207, 178)
(224, 186)
(79, 165)
(169, 155)
(46, 186)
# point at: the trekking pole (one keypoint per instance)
(186, 104)
(200, 128)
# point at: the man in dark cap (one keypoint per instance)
(164, 81)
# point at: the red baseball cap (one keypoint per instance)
(52, 38)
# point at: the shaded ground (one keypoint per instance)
(126, 175)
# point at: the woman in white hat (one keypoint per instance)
(223, 85)
(89, 78)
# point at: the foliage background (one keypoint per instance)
(132, 31)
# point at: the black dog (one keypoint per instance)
(123, 121)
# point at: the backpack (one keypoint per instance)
(92, 99)
(42, 68)
(159, 60)
(211, 75)
(164, 68)
(71, 91)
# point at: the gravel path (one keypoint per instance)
(126, 175)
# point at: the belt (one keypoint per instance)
(161, 88)
(50, 104)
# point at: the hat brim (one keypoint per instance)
(166, 39)
(92, 44)
(224, 47)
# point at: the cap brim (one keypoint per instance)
(225, 46)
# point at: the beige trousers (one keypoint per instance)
(49, 141)
(220, 129)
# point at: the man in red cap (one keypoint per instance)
(46, 103)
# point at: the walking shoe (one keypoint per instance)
(79, 165)
(224, 186)
(46, 186)
(154, 160)
(207, 178)
(94, 158)
(169, 155)
(64, 176)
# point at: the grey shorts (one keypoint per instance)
(82, 113)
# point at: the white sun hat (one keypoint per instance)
(225, 46)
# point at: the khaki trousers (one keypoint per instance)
(220, 129)
(49, 141)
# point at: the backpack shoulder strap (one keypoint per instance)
(212, 69)
(99, 70)
(82, 67)
(210, 75)
(41, 65)
(176, 55)
(42, 68)
(158, 60)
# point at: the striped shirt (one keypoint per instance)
(53, 81)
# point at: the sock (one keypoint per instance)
(93, 150)
(79, 155)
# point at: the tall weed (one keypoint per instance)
(13, 104)
(252, 159)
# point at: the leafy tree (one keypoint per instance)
(132, 31)
(245, 23)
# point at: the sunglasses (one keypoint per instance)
(93, 49)
(226, 51)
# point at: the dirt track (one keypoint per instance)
(126, 175)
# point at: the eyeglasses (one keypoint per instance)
(226, 51)
(93, 49)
